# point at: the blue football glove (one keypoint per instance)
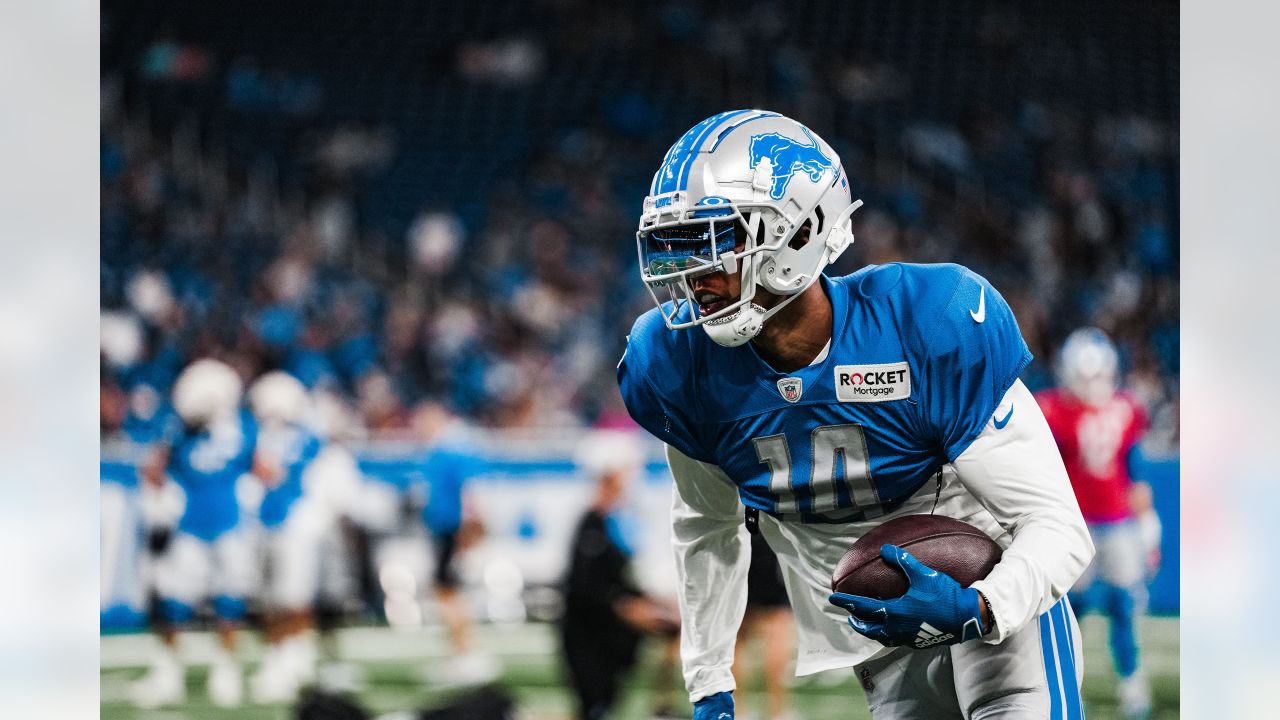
(934, 611)
(714, 707)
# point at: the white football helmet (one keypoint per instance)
(206, 390)
(279, 398)
(750, 178)
(606, 451)
(1089, 366)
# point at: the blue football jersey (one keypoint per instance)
(920, 357)
(447, 468)
(294, 448)
(207, 464)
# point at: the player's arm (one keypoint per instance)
(1141, 498)
(987, 424)
(1016, 472)
(156, 465)
(267, 469)
(712, 553)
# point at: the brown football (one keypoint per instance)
(956, 548)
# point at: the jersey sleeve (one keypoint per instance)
(713, 557)
(973, 354)
(249, 435)
(1016, 473)
(648, 378)
(1140, 424)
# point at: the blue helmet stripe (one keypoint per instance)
(687, 165)
(658, 177)
(674, 173)
(725, 132)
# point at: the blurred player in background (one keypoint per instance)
(606, 613)
(768, 618)
(829, 405)
(209, 556)
(301, 474)
(449, 464)
(1098, 427)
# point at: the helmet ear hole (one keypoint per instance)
(801, 238)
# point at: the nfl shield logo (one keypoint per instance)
(790, 388)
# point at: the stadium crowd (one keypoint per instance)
(250, 213)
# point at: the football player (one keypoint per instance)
(449, 464)
(208, 556)
(292, 462)
(1098, 427)
(829, 405)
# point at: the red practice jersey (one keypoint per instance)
(1095, 444)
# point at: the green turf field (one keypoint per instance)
(395, 664)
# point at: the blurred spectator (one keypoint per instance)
(463, 230)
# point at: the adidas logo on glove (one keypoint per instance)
(930, 636)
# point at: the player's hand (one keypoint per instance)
(714, 707)
(646, 615)
(153, 467)
(934, 611)
(268, 471)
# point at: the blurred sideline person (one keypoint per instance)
(606, 613)
(1098, 427)
(209, 556)
(450, 463)
(304, 477)
(769, 619)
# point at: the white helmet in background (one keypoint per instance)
(749, 178)
(207, 390)
(1089, 366)
(279, 398)
(607, 451)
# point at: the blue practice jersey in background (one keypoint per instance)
(447, 467)
(294, 448)
(207, 463)
(919, 359)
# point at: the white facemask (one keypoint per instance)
(738, 328)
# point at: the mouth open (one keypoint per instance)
(709, 303)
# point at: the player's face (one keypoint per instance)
(714, 291)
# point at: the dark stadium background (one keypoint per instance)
(401, 200)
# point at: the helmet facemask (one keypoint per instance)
(753, 238)
(678, 247)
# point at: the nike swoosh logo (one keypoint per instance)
(1001, 423)
(982, 306)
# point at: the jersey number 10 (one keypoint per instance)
(830, 444)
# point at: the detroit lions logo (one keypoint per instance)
(788, 157)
